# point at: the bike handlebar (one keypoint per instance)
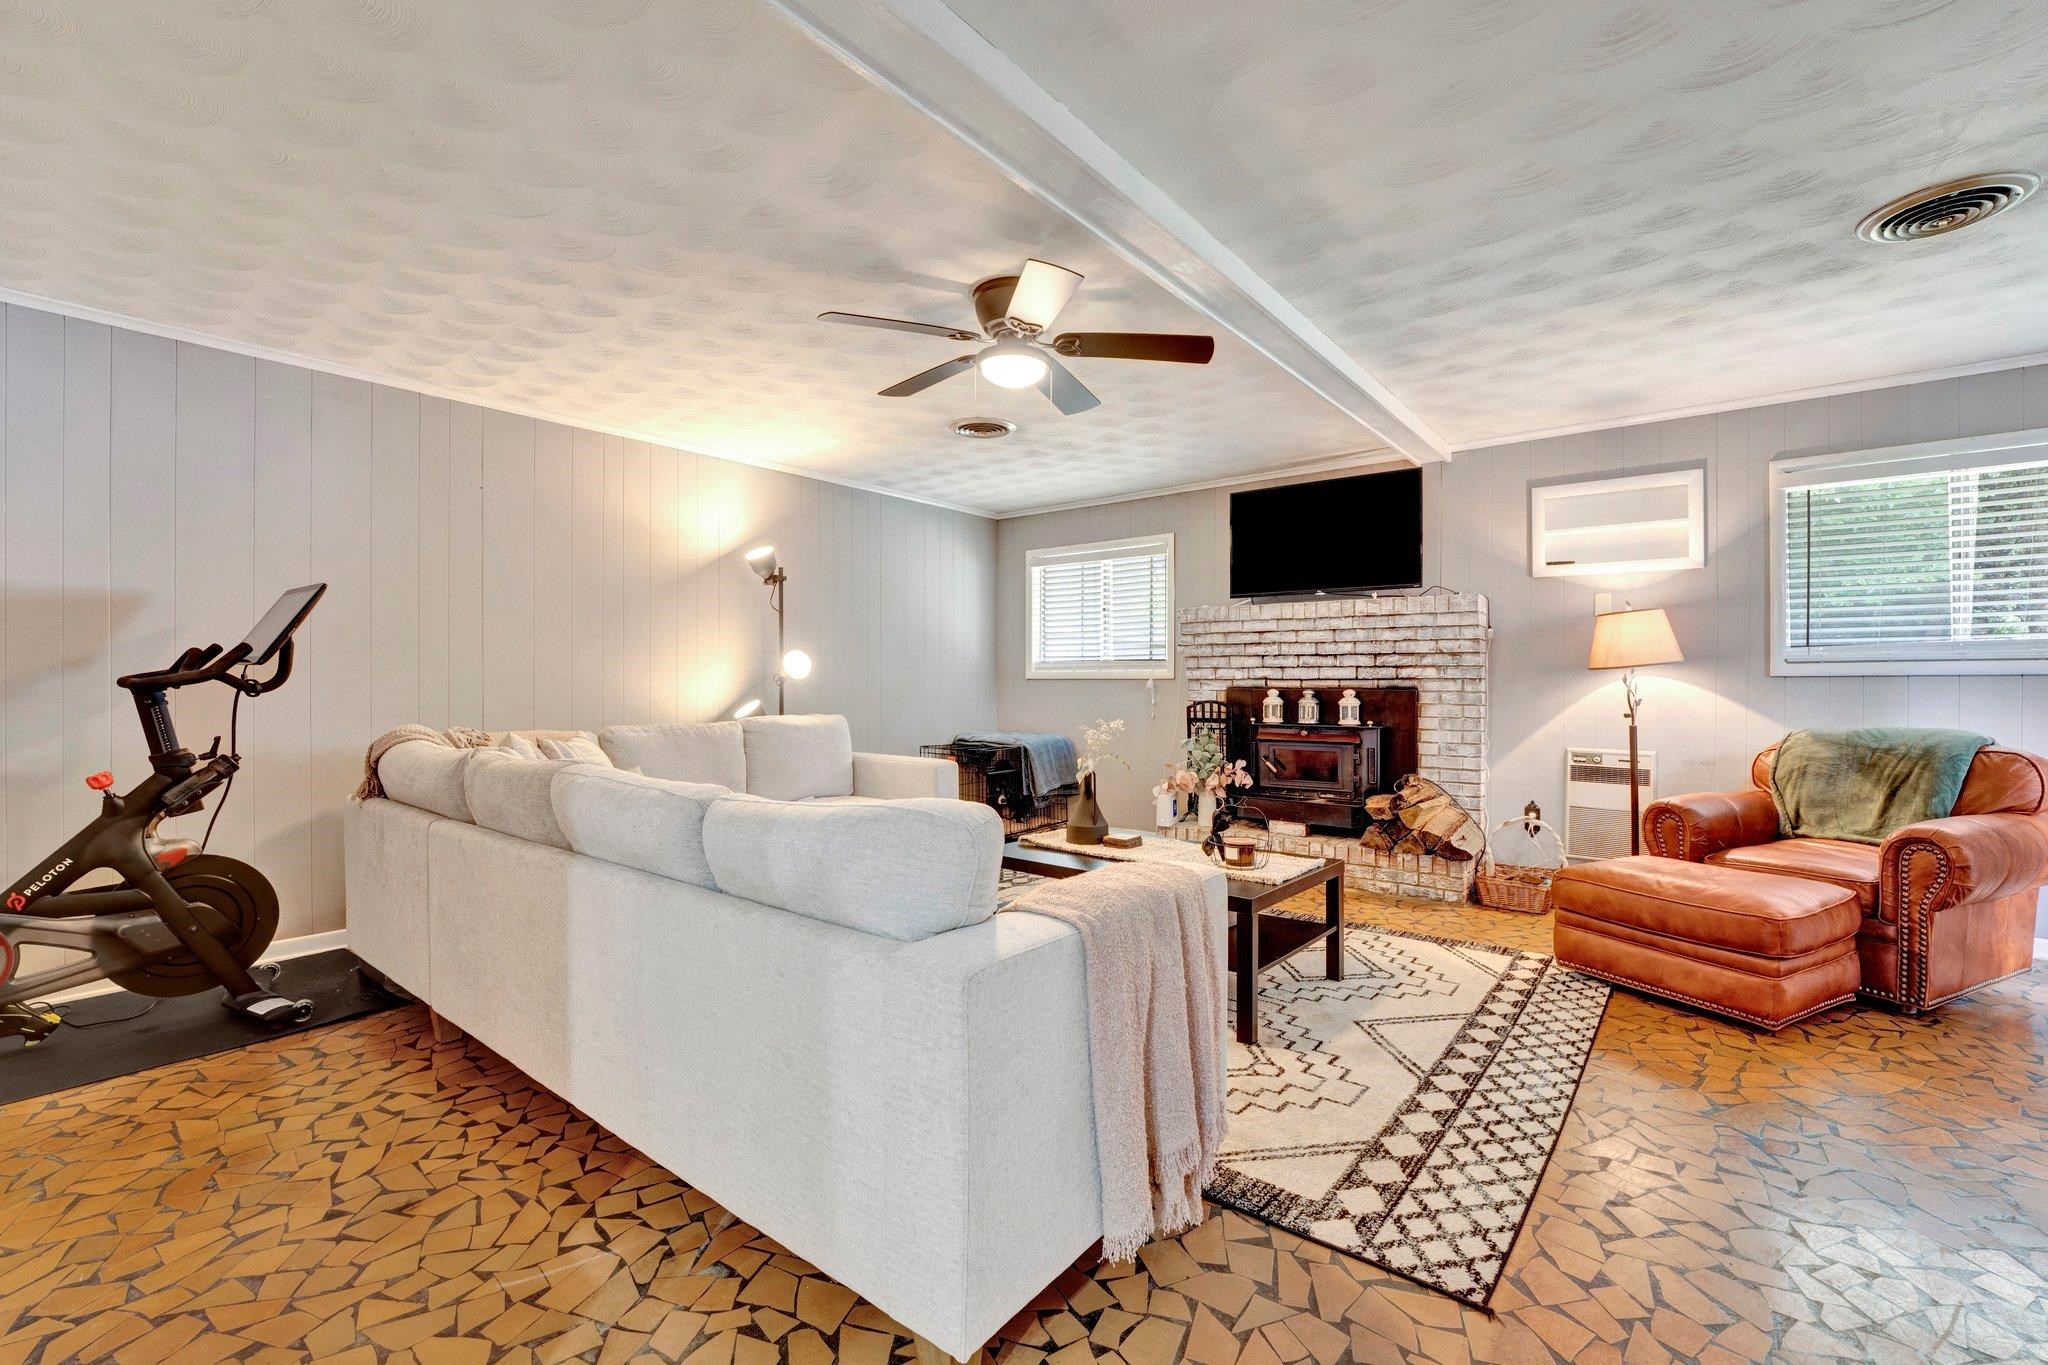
(195, 665)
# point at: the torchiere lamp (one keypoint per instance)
(1633, 639)
(793, 663)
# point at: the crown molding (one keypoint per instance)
(170, 332)
(1889, 381)
(934, 60)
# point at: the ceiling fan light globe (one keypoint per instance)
(1011, 365)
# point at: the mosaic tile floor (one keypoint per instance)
(1863, 1187)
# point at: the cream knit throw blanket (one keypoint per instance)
(1155, 1049)
(455, 738)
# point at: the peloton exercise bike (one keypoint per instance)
(179, 920)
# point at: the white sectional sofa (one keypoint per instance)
(774, 966)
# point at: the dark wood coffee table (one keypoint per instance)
(1254, 935)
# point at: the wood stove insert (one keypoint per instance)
(1319, 775)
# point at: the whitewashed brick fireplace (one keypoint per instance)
(1436, 644)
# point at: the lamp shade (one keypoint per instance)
(1633, 639)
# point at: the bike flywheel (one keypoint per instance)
(235, 902)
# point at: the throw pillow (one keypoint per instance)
(519, 746)
(579, 748)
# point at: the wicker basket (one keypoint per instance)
(1523, 887)
(1505, 886)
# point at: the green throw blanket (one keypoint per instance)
(1861, 785)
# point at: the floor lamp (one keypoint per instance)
(1633, 639)
(792, 663)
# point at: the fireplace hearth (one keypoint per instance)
(1418, 663)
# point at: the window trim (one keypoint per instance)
(1925, 457)
(1100, 549)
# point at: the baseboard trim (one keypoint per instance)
(2040, 948)
(303, 946)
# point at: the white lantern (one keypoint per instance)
(1275, 708)
(1350, 711)
(1310, 709)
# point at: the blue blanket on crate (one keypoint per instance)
(1049, 761)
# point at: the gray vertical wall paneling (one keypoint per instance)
(280, 791)
(434, 545)
(484, 569)
(142, 588)
(335, 653)
(33, 705)
(216, 519)
(584, 638)
(395, 567)
(554, 603)
(466, 564)
(88, 560)
(508, 556)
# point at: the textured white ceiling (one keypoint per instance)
(617, 212)
(1521, 216)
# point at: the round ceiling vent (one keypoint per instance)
(983, 428)
(1945, 208)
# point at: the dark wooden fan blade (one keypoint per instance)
(1067, 393)
(1181, 349)
(931, 329)
(918, 383)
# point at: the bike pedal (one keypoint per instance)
(274, 1010)
(29, 1025)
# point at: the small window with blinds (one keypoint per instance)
(1103, 610)
(1919, 559)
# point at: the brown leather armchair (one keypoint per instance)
(1948, 905)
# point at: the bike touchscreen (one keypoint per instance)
(267, 636)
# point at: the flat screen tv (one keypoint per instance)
(1356, 535)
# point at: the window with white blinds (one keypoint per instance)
(1930, 558)
(1103, 610)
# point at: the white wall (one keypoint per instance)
(485, 570)
(1704, 717)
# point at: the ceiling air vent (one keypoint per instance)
(1945, 208)
(983, 428)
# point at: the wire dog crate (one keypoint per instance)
(993, 774)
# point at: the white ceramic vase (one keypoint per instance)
(1207, 807)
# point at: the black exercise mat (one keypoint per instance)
(120, 1042)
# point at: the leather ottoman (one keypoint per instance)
(1765, 949)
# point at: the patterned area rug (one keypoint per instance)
(1406, 1113)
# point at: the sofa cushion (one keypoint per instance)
(1851, 866)
(901, 869)
(514, 795)
(426, 775)
(648, 823)
(713, 752)
(577, 748)
(791, 758)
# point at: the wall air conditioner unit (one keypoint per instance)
(1596, 800)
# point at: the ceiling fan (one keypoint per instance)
(1015, 313)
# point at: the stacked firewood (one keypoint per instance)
(1418, 816)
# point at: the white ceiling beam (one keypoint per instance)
(931, 57)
